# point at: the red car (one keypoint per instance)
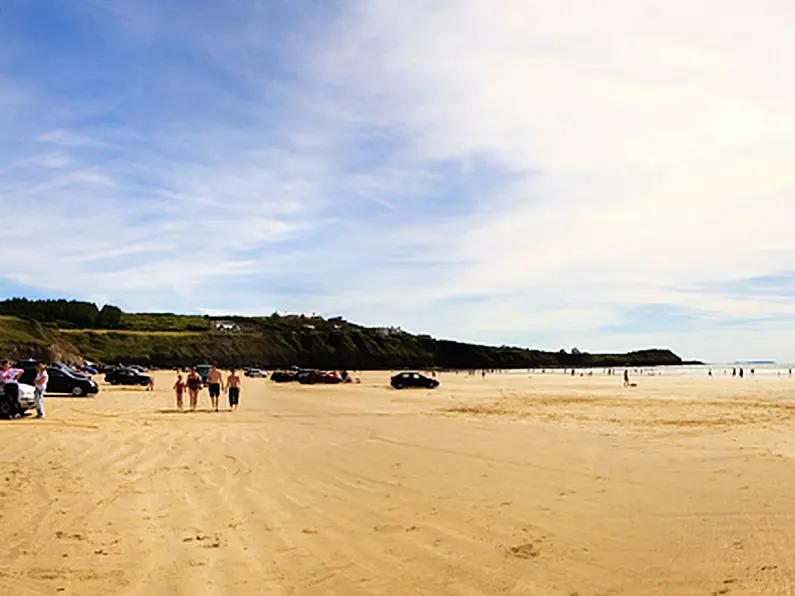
(311, 377)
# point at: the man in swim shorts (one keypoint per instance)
(233, 387)
(214, 380)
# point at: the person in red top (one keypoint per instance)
(179, 388)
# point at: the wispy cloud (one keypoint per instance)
(605, 176)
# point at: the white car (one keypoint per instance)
(26, 401)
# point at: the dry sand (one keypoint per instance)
(508, 485)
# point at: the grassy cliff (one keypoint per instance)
(49, 329)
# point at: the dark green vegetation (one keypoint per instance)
(60, 329)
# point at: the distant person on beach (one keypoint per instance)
(150, 386)
(179, 390)
(233, 387)
(194, 384)
(214, 380)
(741, 373)
(710, 373)
(734, 372)
(39, 387)
(626, 378)
(9, 377)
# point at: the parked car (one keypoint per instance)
(127, 376)
(256, 373)
(68, 370)
(311, 377)
(204, 370)
(25, 398)
(284, 376)
(88, 370)
(413, 379)
(62, 380)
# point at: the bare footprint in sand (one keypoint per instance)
(528, 550)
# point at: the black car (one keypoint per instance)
(413, 379)
(285, 376)
(60, 380)
(127, 376)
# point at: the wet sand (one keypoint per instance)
(503, 485)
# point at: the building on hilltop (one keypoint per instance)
(388, 331)
(230, 326)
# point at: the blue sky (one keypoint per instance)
(511, 172)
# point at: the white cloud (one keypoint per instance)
(562, 163)
(652, 142)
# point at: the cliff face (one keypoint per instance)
(21, 338)
(278, 342)
(353, 349)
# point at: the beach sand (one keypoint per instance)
(510, 484)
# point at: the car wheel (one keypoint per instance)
(398, 386)
(78, 391)
(5, 408)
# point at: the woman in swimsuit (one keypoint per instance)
(194, 386)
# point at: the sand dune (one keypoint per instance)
(503, 485)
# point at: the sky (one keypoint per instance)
(612, 176)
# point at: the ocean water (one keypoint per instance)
(759, 370)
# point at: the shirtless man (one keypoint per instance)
(233, 387)
(214, 380)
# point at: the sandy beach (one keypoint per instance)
(510, 484)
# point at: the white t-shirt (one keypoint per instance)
(10, 375)
(41, 380)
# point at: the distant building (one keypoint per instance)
(388, 331)
(230, 326)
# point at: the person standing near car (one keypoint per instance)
(233, 387)
(194, 384)
(40, 386)
(9, 377)
(214, 380)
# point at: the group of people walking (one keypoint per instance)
(194, 383)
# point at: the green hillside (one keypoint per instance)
(58, 330)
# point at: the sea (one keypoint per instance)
(756, 369)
